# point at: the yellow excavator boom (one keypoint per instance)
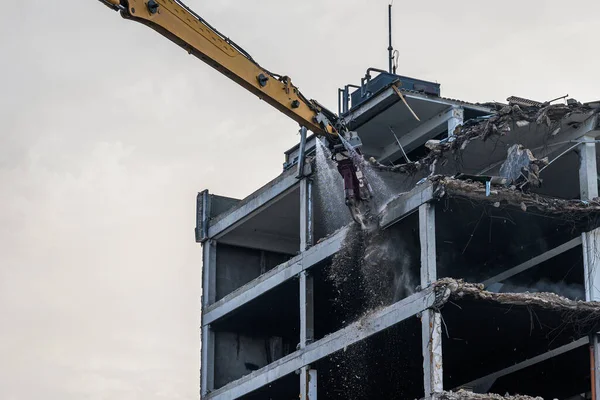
(177, 22)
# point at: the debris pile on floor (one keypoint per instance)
(465, 395)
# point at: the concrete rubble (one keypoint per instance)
(503, 196)
(507, 118)
(466, 395)
(453, 289)
(548, 119)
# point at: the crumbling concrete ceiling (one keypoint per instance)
(480, 147)
(501, 196)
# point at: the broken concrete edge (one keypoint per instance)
(495, 125)
(501, 123)
(466, 395)
(501, 196)
(447, 289)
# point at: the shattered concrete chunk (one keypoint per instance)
(521, 168)
(465, 395)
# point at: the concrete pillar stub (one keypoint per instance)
(308, 376)
(588, 182)
(431, 321)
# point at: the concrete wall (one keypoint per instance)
(237, 355)
(237, 266)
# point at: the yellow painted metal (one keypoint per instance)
(182, 27)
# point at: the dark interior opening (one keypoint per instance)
(362, 277)
(237, 266)
(388, 365)
(478, 241)
(562, 275)
(286, 388)
(258, 333)
(482, 337)
(560, 377)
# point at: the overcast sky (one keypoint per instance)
(109, 131)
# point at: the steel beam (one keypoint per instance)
(307, 303)
(207, 356)
(373, 103)
(275, 277)
(306, 214)
(307, 317)
(253, 204)
(209, 272)
(431, 321)
(484, 384)
(367, 326)
(428, 244)
(588, 183)
(405, 204)
(418, 136)
(533, 262)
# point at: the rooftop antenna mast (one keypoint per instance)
(390, 48)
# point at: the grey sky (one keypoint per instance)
(109, 131)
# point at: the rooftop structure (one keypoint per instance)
(482, 277)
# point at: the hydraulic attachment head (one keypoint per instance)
(350, 164)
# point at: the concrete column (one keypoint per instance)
(431, 320)
(209, 263)
(306, 214)
(588, 175)
(308, 376)
(458, 116)
(588, 181)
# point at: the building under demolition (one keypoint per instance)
(480, 278)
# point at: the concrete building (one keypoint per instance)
(481, 208)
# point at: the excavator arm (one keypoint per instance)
(175, 21)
